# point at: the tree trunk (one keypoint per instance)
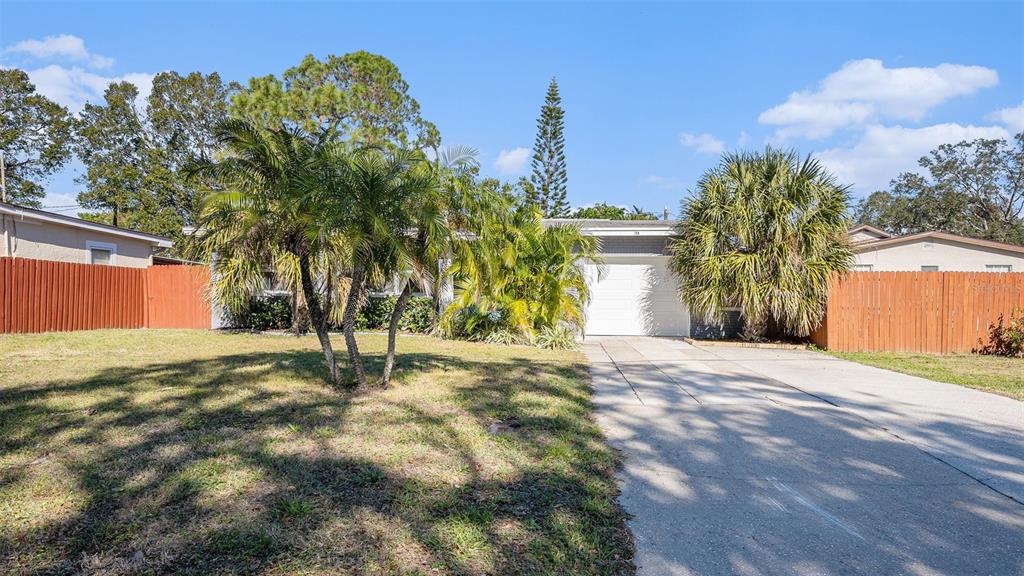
(348, 325)
(317, 317)
(396, 316)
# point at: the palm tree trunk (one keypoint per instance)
(396, 316)
(348, 325)
(316, 314)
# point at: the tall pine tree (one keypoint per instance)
(549, 177)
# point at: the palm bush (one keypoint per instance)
(764, 232)
(258, 216)
(515, 274)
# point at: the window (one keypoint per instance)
(998, 268)
(929, 268)
(863, 267)
(99, 256)
(100, 253)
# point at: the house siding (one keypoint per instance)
(947, 255)
(49, 241)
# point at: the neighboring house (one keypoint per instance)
(876, 251)
(637, 294)
(31, 233)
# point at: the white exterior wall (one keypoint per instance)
(948, 256)
(49, 241)
(863, 236)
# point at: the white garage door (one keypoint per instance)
(636, 296)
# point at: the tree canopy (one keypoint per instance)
(763, 232)
(360, 96)
(136, 159)
(972, 188)
(603, 210)
(35, 137)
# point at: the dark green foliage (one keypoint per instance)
(972, 189)
(137, 159)
(35, 137)
(548, 182)
(360, 96)
(603, 210)
(375, 314)
(268, 312)
(274, 312)
(1007, 337)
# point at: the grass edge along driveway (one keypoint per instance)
(197, 453)
(996, 374)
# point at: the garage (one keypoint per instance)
(635, 296)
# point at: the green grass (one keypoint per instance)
(136, 452)
(989, 373)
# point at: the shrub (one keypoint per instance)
(504, 336)
(267, 312)
(1007, 337)
(561, 337)
(376, 314)
(473, 322)
(274, 312)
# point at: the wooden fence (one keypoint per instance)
(44, 296)
(937, 312)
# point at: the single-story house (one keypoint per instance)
(42, 235)
(877, 251)
(638, 294)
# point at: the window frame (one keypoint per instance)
(998, 267)
(95, 244)
(930, 268)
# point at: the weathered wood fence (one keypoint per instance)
(44, 296)
(938, 312)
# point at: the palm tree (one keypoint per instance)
(259, 215)
(763, 232)
(372, 198)
(528, 273)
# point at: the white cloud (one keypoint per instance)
(73, 87)
(884, 151)
(64, 46)
(743, 139)
(511, 162)
(704, 143)
(663, 182)
(864, 92)
(1012, 117)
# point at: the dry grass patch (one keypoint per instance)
(126, 452)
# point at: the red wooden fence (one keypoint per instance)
(44, 296)
(938, 312)
(174, 297)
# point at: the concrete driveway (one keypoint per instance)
(753, 461)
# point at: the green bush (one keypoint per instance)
(1007, 337)
(268, 312)
(274, 312)
(376, 314)
(561, 337)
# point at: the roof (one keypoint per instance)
(870, 230)
(602, 227)
(874, 245)
(34, 214)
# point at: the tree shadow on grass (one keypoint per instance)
(251, 463)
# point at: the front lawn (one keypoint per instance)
(989, 373)
(132, 452)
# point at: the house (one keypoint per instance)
(637, 294)
(41, 235)
(877, 251)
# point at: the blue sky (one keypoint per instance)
(653, 92)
